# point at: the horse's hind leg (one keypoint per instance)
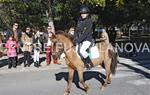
(108, 79)
(70, 79)
(107, 69)
(80, 73)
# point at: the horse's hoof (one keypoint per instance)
(87, 89)
(102, 88)
(66, 93)
(109, 82)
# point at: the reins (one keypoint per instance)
(69, 48)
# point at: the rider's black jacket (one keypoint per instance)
(83, 30)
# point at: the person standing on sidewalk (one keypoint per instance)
(27, 45)
(112, 34)
(11, 46)
(49, 45)
(15, 31)
(37, 48)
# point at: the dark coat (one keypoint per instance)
(36, 42)
(17, 36)
(10, 33)
(84, 30)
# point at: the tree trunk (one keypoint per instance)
(51, 23)
(49, 15)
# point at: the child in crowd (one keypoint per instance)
(11, 46)
(37, 48)
(48, 48)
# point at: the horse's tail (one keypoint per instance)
(113, 62)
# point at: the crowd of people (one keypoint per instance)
(34, 41)
(27, 42)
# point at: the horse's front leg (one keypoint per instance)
(70, 79)
(80, 73)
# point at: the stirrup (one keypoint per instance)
(88, 66)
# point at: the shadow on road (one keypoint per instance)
(145, 74)
(136, 49)
(87, 76)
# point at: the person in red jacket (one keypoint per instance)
(49, 43)
(11, 46)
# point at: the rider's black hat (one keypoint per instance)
(84, 10)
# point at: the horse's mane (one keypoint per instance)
(60, 32)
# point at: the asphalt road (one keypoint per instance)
(131, 79)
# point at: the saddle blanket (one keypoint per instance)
(93, 52)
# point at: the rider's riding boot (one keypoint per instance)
(89, 63)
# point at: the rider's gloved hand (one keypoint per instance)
(75, 41)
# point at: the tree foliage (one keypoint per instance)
(65, 12)
(26, 12)
(102, 3)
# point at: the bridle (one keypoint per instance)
(69, 48)
(64, 50)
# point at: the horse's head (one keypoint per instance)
(53, 38)
(56, 46)
(61, 42)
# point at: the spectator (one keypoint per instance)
(11, 46)
(27, 45)
(49, 45)
(112, 35)
(16, 32)
(17, 35)
(37, 48)
(42, 39)
(71, 31)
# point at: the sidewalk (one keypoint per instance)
(20, 68)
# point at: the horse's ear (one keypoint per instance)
(53, 38)
(53, 35)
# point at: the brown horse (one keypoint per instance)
(107, 58)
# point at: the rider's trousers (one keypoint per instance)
(83, 49)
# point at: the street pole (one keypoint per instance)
(129, 34)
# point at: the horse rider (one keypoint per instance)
(83, 35)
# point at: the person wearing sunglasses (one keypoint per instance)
(17, 33)
(27, 45)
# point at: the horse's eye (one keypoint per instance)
(59, 45)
